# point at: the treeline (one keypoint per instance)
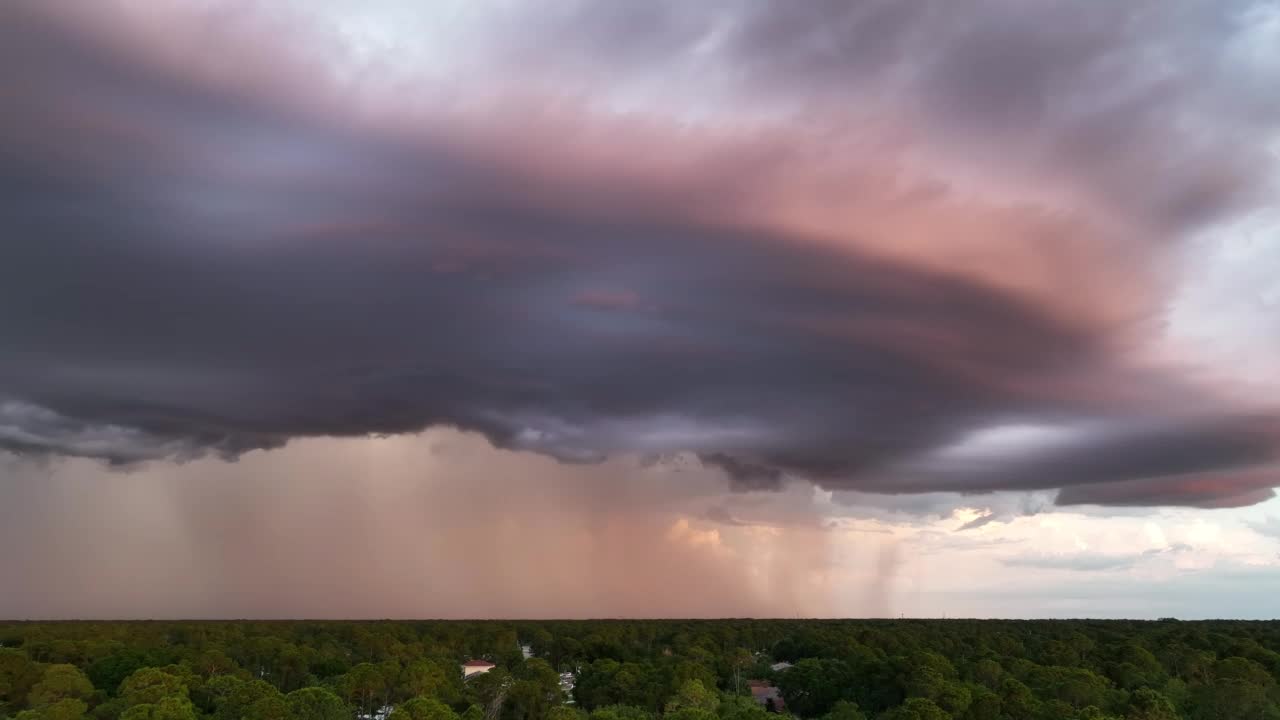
(642, 670)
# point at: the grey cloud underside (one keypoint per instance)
(188, 269)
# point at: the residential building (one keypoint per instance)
(476, 667)
(765, 693)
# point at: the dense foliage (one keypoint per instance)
(642, 670)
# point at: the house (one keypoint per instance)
(765, 693)
(566, 685)
(476, 667)
(779, 666)
(381, 713)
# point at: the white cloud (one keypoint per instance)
(1223, 314)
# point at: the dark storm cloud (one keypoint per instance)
(980, 521)
(1106, 453)
(745, 475)
(1207, 490)
(197, 265)
(1012, 507)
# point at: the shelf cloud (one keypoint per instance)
(878, 246)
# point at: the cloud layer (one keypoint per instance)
(887, 247)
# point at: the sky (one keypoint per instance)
(660, 309)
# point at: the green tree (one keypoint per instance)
(216, 692)
(541, 642)
(541, 673)
(1240, 688)
(17, 675)
(1017, 700)
(813, 686)
(149, 686)
(423, 708)
(110, 709)
(362, 685)
(985, 704)
(1189, 664)
(845, 710)
(564, 712)
(428, 678)
(60, 682)
(690, 713)
(489, 691)
(535, 690)
(65, 709)
(290, 665)
(1231, 698)
(740, 660)
(621, 712)
(686, 670)
(527, 700)
(738, 707)
(988, 673)
(916, 708)
(1093, 713)
(109, 671)
(1147, 704)
(169, 708)
(1076, 686)
(1242, 670)
(213, 662)
(595, 686)
(315, 703)
(1136, 667)
(271, 707)
(237, 699)
(693, 694)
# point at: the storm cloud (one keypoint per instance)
(931, 259)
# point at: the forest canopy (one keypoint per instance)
(642, 670)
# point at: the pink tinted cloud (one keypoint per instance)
(1225, 489)
(856, 264)
(617, 300)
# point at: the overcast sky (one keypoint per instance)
(529, 309)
